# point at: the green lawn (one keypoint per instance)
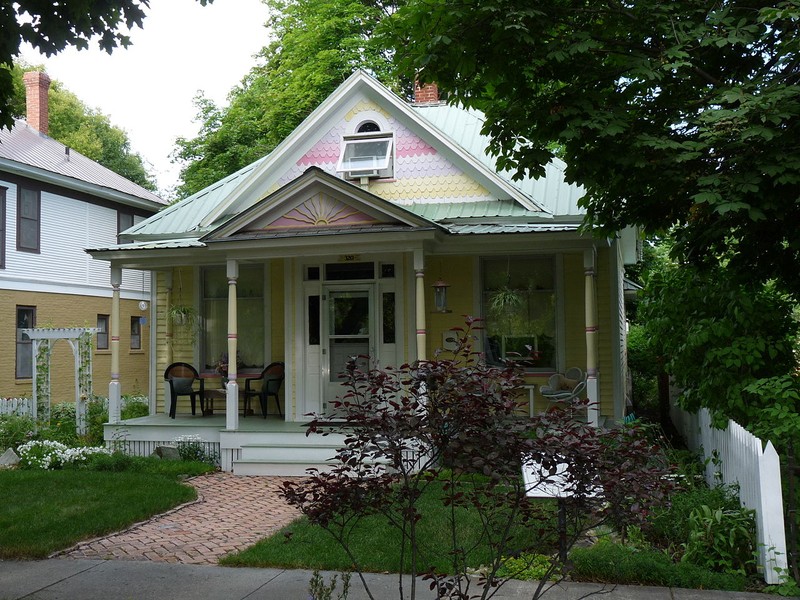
(377, 545)
(46, 511)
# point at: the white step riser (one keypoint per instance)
(296, 453)
(239, 439)
(274, 469)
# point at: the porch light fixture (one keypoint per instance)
(440, 295)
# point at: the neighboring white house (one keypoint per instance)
(54, 202)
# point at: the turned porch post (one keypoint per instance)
(114, 392)
(419, 270)
(592, 373)
(232, 387)
(168, 322)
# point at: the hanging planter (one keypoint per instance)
(183, 315)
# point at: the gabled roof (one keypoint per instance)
(29, 153)
(453, 131)
(316, 203)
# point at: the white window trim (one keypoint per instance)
(383, 167)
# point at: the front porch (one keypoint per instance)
(259, 446)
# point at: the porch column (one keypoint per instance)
(168, 322)
(419, 270)
(232, 388)
(590, 303)
(114, 392)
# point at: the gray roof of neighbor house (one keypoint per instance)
(26, 152)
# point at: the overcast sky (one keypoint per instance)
(148, 89)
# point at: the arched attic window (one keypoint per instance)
(368, 127)
(367, 153)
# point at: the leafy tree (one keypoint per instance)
(50, 27)
(722, 340)
(677, 113)
(86, 130)
(316, 45)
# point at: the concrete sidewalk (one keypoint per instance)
(82, 579)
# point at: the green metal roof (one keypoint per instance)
(502, 209)
(463, 127)
(182, 218)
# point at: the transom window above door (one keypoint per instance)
(350, 271)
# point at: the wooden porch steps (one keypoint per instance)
(281, 457)
(285, 468)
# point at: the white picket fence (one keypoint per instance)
(745, 461)
(16, 406)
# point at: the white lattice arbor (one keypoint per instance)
(80, 340)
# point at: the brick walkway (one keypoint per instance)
(230, 514)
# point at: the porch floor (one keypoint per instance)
(272, 424)
(259, 446)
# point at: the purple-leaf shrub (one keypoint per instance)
(455, 420)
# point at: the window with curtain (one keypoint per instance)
(29, 207)
(519, 309)
(102, 333)
(250, 311)
(136, 333)
(26, 318)
(2, 227)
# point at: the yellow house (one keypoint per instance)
(371, 230)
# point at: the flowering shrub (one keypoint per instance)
(48, 454)
(15, 430)
(193, 447)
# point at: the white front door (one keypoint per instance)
(348, 330)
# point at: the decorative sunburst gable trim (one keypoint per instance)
(318, 200)
(320, 210)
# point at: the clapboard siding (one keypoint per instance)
(67, 227)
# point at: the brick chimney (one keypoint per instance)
(426, 93)
(37, 85)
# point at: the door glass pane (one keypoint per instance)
(313, 321)
(349, 313)
(388, 318)
(344, 349)
(349, 329)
